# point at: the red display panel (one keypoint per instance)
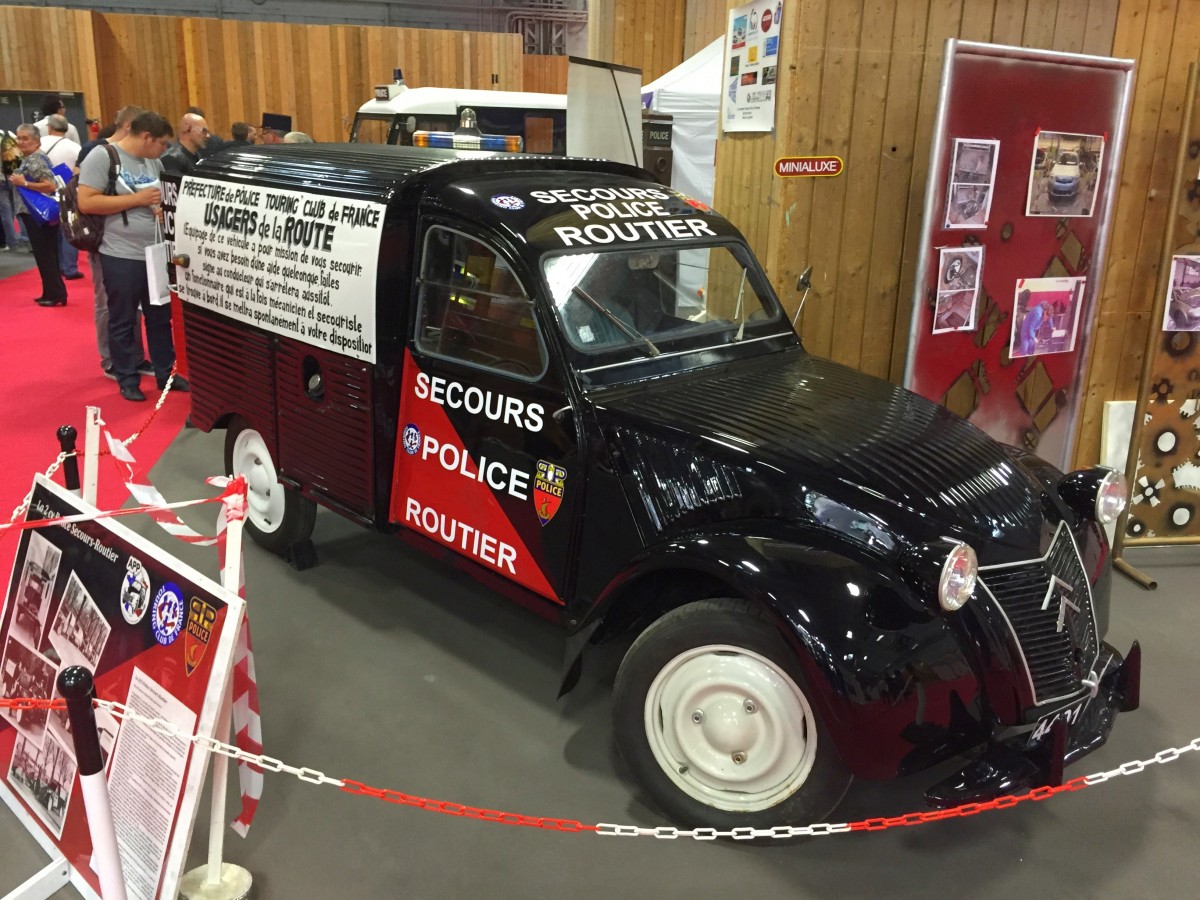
(1022, 175)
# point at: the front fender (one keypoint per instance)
(887, 673)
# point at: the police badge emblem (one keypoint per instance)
(548, 487)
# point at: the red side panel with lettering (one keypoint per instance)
(442, 492)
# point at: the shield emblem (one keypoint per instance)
(548, 488)
(201, 617)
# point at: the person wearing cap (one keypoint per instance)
(274, 127)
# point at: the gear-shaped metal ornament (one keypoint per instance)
(1162, 390)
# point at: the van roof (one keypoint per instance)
(437, 100)
(376, 172)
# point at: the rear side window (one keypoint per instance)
(474, 309)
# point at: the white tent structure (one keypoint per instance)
(691, 94)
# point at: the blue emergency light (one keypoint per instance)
(448, 140)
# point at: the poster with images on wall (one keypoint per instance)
(972, 182)
(959, 273)
(1182, 312)
(752, 66)
(1046, 315)
(1064, 173)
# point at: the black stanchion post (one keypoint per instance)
(66, 441)
(79, 690)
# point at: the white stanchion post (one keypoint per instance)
(91, 454)
(104, 837)
(220, 880)
(76, 686)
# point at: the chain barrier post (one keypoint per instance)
(66, 442)
(91, 454)
(79, 690)
(218, 880)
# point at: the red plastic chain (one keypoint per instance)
(32, 703)
(468, 812)
(969, 809)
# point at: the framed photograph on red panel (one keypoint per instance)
(1054, 164)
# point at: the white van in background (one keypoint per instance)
(397, 111)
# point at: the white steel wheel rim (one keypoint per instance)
(730, 728)
(264, 494)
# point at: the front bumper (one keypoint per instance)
(1036, 756)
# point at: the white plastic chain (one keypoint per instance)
(268, 763)
(24, 505)
(666, 832)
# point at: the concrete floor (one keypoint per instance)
(384, 667)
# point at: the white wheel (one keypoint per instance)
(712, 715)
(730, 728)
(276, 516)
(264, 494)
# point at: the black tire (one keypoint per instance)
(796, 786)
(273, 525)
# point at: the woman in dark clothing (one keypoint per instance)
(34, 173)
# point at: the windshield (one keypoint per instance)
(1068, 159)
(629, 305)
(371, 129)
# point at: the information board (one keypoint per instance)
(301, 265)
(159, 638)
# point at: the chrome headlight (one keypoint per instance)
(1111, 497)
(957, 581)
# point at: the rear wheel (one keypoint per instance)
(276, 516)
(711, 715)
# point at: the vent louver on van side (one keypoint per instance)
(326, 442)
(672, 484)
(228, 362)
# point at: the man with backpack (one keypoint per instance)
(110, 134)
(130, 226)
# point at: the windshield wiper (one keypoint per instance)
(629, 332)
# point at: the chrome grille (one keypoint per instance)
(1048, 605)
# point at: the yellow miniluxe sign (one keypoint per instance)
(808, 166)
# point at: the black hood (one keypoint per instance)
(770, 436)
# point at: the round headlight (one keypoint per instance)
(1111, 497)
(959, 574)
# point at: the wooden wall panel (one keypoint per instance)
(50, 49)
(1163, 36)
(644, 34)
(141, 60)
(860, 80)
(545, 74)
(236, 70)
(707, 20)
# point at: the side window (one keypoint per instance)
(473, 308)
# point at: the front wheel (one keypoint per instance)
(276, 516)
(711, 714)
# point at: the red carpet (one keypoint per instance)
(51, 373)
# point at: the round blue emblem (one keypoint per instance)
(166, 618)
(508, 201)
(411, 439)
